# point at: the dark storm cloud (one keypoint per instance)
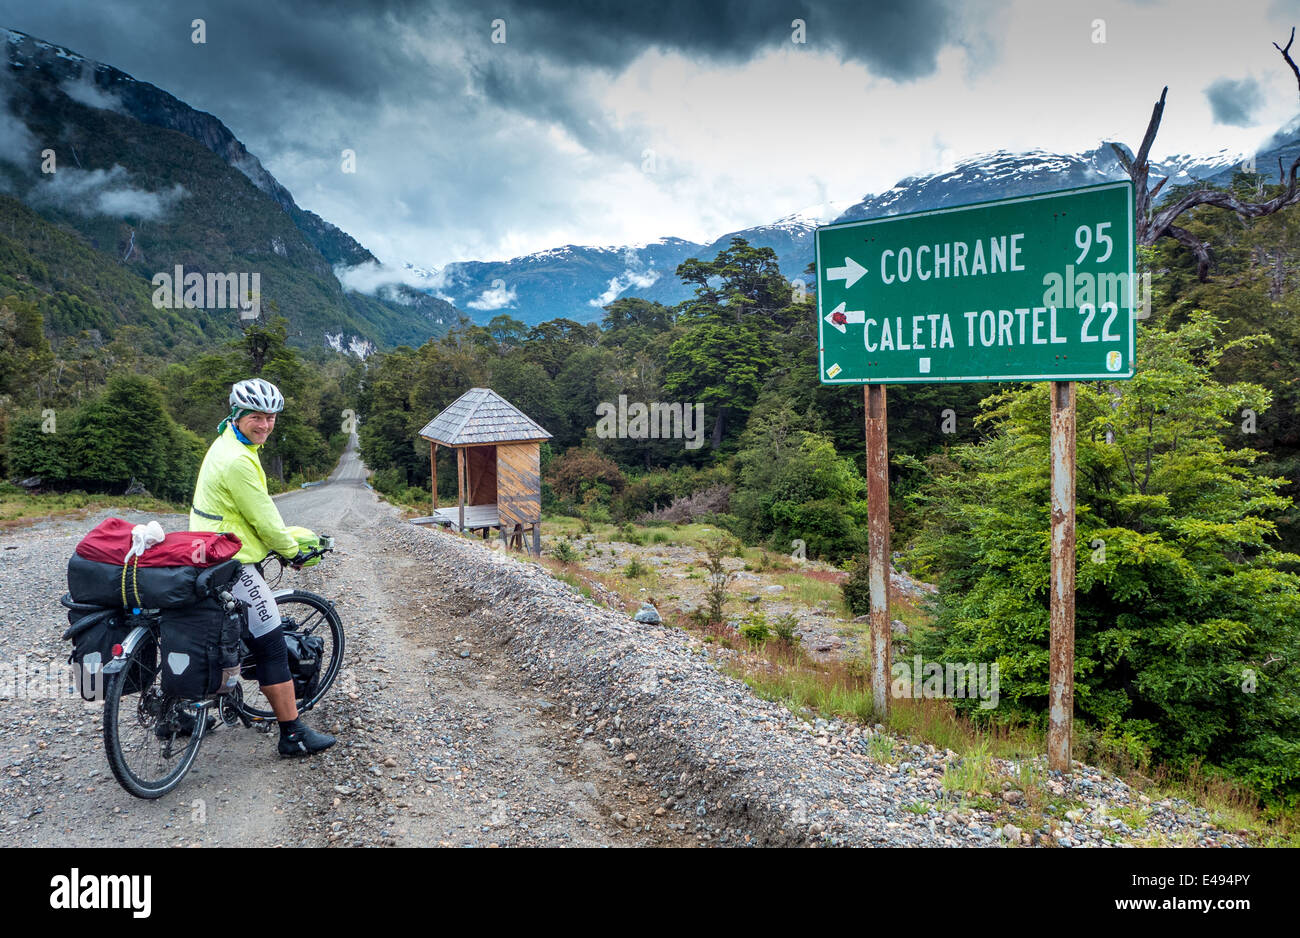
(429, 101)
(897, 38)
(252, 50)
(358, 50)
(1235, 102)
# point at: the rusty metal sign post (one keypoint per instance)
(1060, 710)
(878, 561)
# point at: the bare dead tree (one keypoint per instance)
(1286, 54)
(1152, 226)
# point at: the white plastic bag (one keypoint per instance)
(144, 536)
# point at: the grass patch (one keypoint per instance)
(565, 577)
(685, 535)
(909, 611)
(882, 748)
(807, 590)
(940, 724)
(19, 509)
(972, 774)
(1133, 817)
(1229, 803)
(801, 690)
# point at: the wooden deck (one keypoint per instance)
(477, 517)
(484, 518)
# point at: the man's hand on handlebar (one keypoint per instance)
(297, 561)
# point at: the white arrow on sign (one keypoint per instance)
(850, 273)
(852, 317)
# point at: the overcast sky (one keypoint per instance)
(616, 123)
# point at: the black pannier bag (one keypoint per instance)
(93, 636)
(105, 584)
(199, 642)
(94, 632)
(305, 653)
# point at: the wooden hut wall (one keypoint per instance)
(519, 483)
(481, 464)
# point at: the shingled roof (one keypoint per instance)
(481, 415)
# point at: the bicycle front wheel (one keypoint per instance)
(145, 729)
(308, 614)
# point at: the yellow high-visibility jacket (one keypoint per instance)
(231, 496)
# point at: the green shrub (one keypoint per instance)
(716, 548)
(1185, 613)
(594, 509)
(390, 481)
(784, 629)
(580, 471)
(857, 588)
(755, 628)
(797, 487)
(657, 489)
(125, 433)
(564, 552)
(635, 569)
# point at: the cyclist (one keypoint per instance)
(231, 496)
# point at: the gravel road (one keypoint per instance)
(483, 702)
(434, 748)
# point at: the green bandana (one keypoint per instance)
(235, 413)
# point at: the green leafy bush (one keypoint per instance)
(124, 434)
(857, 588)
(794, 486)
(784, 628)
(1185, 614)
(755, 628)
(580, 471)
(717, 547)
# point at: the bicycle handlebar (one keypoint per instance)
(326, 545)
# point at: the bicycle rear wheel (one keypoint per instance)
(143, 727)
(308, 614)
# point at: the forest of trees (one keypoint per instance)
(98, 417)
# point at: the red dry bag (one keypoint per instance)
(111, 539)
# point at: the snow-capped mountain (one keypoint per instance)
(576, 282)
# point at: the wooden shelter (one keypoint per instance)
(498, 467)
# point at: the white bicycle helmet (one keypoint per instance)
(256, 394)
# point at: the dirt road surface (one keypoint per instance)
(439, 744)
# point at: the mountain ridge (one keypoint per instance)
(93, 100)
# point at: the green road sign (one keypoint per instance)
(1035, 288)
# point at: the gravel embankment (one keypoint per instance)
(735, 768)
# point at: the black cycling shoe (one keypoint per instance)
(303, 741)
(183, 724)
